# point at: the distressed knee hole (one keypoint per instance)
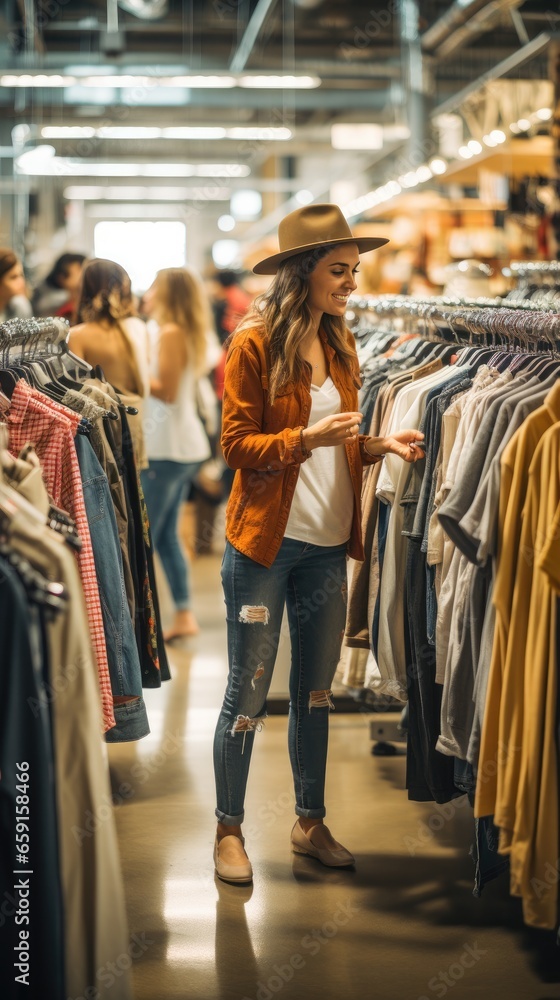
(250, 614)
(257, 675)
(320, 699)
(244, 724)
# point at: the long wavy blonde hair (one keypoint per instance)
(284, 316)
(180, 299)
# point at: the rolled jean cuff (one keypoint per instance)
(311, 813)
(230, 820)
(183, 605)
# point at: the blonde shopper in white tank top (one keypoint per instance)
(176, 441)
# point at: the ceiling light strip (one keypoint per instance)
(178, 132)
(267, 81)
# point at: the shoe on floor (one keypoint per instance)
(184, 626)
(239, 873)
(303, 843)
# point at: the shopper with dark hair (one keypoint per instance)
(66, 275)
(57, 294)
(231, 302)
(290, 430)
(13, 297)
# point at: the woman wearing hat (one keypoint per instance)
(290, 430)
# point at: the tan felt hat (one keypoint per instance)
(310, 227)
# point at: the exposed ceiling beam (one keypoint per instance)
(463, 20)
(245, 47)
(523, 55)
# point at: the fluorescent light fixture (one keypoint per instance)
(225, 252)
(278, 134)
(474, 146)
(127, 132)
(36, 160)
(120, 81)
(222, 170)
(523, 124)
(226, 223)
(356, 136)
(438, 166)
(36, 80)
(246, 205)
(67, 167)
(92, 192)
(304, 197)
(68, 132)
(178, 132)
(423, 174)
(283, 82)
(545, 114)
(211, 81)
(193, 132)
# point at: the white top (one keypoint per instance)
(174, 431)
(137, 333)
(323, 501)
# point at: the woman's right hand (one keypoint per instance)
(332, 430)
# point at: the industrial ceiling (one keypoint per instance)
(269, 77)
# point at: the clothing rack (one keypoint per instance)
(36, 332)
(533, 268)
(524, 328)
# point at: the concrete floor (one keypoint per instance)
(403, 926)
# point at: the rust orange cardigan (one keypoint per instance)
(262, 442)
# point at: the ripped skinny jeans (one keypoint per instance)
(311, 581)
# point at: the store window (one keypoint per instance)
(142, 247)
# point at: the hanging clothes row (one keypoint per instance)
(536, 281)
(78, 425)
(59, 853)
(81, 638)
(454, 609)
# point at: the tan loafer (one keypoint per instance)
(302, 843)
(238, 873)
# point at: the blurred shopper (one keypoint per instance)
(176, 441)
(231, 302)
(58, 293)
(108, 334)
(14, 303)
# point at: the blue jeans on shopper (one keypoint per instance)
(311, 581)
(165, 485)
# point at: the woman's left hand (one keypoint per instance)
(402, 443)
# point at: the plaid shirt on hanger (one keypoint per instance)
(51, 427)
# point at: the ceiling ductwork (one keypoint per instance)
(464, 20)
(148, 10)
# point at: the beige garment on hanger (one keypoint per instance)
(95, 923)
